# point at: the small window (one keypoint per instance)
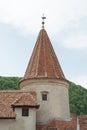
(44, 96)
(25, 111)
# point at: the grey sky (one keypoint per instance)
(66, 25)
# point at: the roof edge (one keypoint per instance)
(31, 106)
(30, 79)
(7, 117)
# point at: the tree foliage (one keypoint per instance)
(9, 83)
(78, 99)
(77, 94)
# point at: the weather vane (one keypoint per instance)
(43, 21)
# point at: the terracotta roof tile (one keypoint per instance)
(83, 122)
(7, 98)
(59, 124)
(43, 62)
(25, 100)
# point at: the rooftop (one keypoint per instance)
(57, 124)
(10, 99)
(43, 62)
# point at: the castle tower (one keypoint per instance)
(45, 76)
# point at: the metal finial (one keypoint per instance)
(43, 21)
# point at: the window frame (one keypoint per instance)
(44, 95)
(25, 111)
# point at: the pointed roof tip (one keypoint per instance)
(43, 18)
(43, 62)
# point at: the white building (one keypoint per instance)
(42, 102)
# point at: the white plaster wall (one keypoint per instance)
(57, 105)
(21, 122)
(26, 122)
(5, 124)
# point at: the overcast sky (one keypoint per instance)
(66, 25)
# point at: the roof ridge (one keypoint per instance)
(45, 61)
(53, 64)
(17, 99)
(15, 91)
(24, 95)
(38, 60)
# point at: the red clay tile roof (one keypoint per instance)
(59, 125)
(25, 100)
(8, 98)
(83, 122)
(43, 62)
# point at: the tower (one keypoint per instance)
(45, 76)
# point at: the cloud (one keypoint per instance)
(74, 36)
(65, 18)
(76, 42)
(26, 14)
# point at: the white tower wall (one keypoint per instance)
(57, 104)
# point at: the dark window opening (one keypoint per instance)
(25, 111)
(44, 96)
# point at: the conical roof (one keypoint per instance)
(43, 62)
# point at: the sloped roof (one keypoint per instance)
(25, 100)
(57, 124)
(83, 122)
(15, 98)
(43, 62)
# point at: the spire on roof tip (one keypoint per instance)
(43, 17)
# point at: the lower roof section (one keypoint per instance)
(76, 123)
(10, 99)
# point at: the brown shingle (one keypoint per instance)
(25, 100)
(43, 62)
(59, 125)
(9, 98)
(83, 122)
